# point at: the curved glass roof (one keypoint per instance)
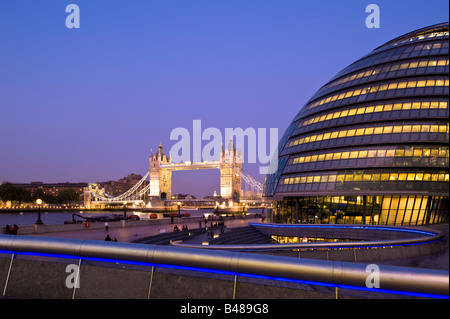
(379, 126)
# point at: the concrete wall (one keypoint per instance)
(36, 278)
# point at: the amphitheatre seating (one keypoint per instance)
(242, 235)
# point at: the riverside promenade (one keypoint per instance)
(130, 231)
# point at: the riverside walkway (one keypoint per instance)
(140, 229)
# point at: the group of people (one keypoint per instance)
(107, 238)
(11, 230)
(176, 228)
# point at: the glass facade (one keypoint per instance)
(371, 146)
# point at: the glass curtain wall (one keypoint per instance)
(400, 210)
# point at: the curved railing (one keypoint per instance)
(412, 281)
(364, 233)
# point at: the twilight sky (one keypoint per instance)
(88, 104)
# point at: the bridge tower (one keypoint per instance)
(230, 166)
(160, 179)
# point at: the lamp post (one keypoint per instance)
(179, 208)
(39, 203)
(125, 210)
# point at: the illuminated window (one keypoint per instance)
(390, 153)
(372, 154)
(378, 130)
(387, 129)
(371, 131)
(383, 87)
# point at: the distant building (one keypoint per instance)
(52, 188)
(115, 188)
(182, 196)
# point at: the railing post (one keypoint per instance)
(9, 272)
(150, 283)
(77, 278)
(234, 286)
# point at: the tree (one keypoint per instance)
(67, 196)
(10, 192)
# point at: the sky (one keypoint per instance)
(88, 104)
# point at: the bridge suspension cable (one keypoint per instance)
(253, 183)
(132, 193)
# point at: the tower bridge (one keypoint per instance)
(156, 184)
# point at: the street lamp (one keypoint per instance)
(179, 209)
(125, 210)
(39, 203)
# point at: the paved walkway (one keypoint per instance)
(131, 233)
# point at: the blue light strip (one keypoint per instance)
(224, 272)
(414, 231)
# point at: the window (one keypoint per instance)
(349, 177)
(387, 129)
(378, 130)
(416, 128)
(372, 154)
(369, 131)
(407, 129)
(390, 153)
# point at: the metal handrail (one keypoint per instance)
(417, 280)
